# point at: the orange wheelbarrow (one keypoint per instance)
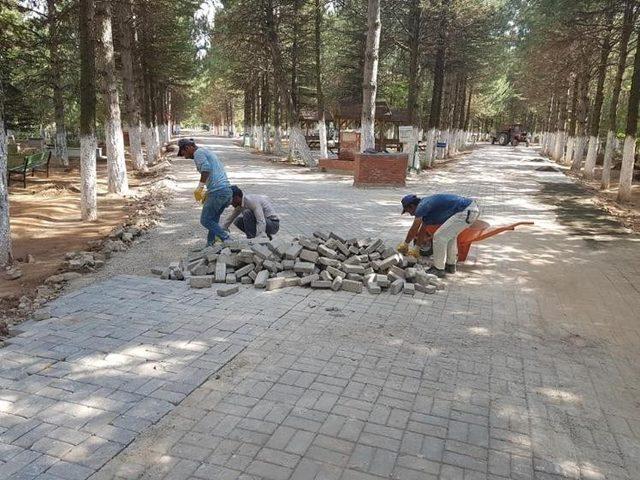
(478, 231)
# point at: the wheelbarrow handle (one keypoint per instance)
(495, 231)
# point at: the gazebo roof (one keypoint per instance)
(310, 114)
(353, 112)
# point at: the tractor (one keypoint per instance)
(510, 134)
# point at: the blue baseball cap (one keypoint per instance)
(409, 200)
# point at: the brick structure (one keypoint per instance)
(349, 145)
(380, 170)
(336, 165)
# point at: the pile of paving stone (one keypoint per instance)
(322, 261)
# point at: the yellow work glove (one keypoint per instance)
(414, 252)
(402, 247)
(199, 193)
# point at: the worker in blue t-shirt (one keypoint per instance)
(453, 213)
(218, 195)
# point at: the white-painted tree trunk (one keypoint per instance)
(152, 145)
(429, 148)
(260, 138)
(592, 156)
(135, 147)
(568, 154)
(626, 171)
(322, 134)
(578, 153)
(370, 77)
(116, 167)
(277, 141)
(298, 148)
(609, 150)
(410, 149)
(558, 150)
(6, 256)
(88, 180)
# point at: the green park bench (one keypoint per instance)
(21, 165)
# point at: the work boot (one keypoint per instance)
(450, 268)
(437, 272)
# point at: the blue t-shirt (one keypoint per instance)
(437, 209)
(207, 161)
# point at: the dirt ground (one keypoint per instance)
(45, 223)
(628, 213)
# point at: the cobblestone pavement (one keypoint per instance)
(525, 367)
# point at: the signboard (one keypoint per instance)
(441, 144)
(405, 134)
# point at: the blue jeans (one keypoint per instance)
(212, 209)
(247, 223)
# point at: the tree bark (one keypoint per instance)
(297, 144)
(322, 121)
(439, 68)
(56, 67)
(415, 73)
(627, 29)
(6, 256)
(558, 150)
(131, 104)
(629, 152)
(581, 119)
(116, 167)
(88, 144)
(594, 127)
(370, 81)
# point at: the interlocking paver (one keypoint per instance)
(515, 377)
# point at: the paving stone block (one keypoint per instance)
(271, 266)
(389, 262)
(246, 280)
(221, 272)
(309, 256)
(308, 279)
(261, 279)
(321, 235)
(354, 250)
(200, 281)
(396, 286)
(425, 288)
(383, 281)
(321, 284)
(336, 284)
(275, 283)
(353, 268)
(245, 255)
(287, 274)
(355, 277)
(329, 262)
(231, 278)
(242, 271)
(292, 281)
(304, 267)
(324, 275)
(352, 286)
(334, 272)
(228, 290)
(327, 252)
(293, 251)
(261, 251)
(288, 264)
(309, 244)
(397, 271)
(409, 289)
(372, 286)
(254, 274)
(373, 246)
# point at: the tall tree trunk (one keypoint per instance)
(594, 126)
(582, 118)
(56, 68)
(370, 82)
(6, 256)
(573, 119)
(413, 94)
(297, 143)
(88, 143)
(558, 150)
(277, 122)
(322, 121)
(439, 69)
(627, 29)
(629, 151)
(116, 167)
(247, 117)
(131, 105)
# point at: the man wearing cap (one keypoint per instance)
(217, 197)
(253, 214)
(453, 213)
